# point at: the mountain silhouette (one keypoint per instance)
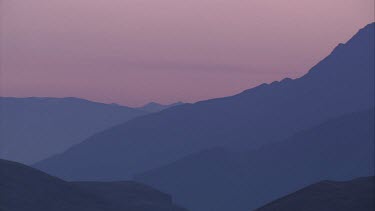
(156, 107)
(23, 188)
(341, 83)
(32, 129)
(220, 180)
(357, 194)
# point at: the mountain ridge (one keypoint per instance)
(342, 82)
(156, 107)
(220, 179)
(35, 128)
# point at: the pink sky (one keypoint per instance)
(136, 51)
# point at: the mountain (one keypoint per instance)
(358, 194)
(156, 107)
(32, 129)
(219, 179)
(341, 83)
(23, 188)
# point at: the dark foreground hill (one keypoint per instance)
(357, 194)
(23, 188)
(221, 180)
(341, 83)
(32, 129)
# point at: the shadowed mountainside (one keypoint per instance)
(32, 129)
(357, 194)
(341, 83)
(220, 180)
(23, 188)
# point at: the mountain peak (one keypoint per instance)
(359, 50)
(354, 50)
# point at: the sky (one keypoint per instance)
(133, 52)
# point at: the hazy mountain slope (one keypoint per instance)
(220, 180)
(23, 188)
(32, 129)
(156, 107)
(357, 194)
(343, 82)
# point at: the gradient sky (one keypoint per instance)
(136, 51)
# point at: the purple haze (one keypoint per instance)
(135, 51)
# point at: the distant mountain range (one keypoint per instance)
(342, 83)
(358, 194)
(32, 129)
(219, 179)
(23, 188)
(156, 107)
